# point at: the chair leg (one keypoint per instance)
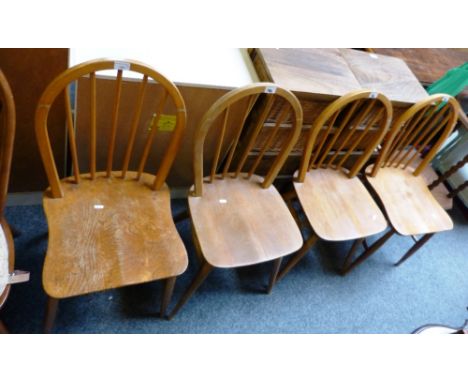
(351, 252)
(414, 248)
(167, 294)
(202, 274)
(51, 313)
(3, 328)
(367, 253)
(274, 274)
(183, 215)
(298, 256)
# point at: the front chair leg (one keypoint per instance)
(351, 252)
(414, 248)
(274, 274)
(202, 274)
(3, 328)
(167, 294)
(298, 256)
(51, 312)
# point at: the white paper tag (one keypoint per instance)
(18, 277)
(121, 65)
(270, 89)
(373, 95)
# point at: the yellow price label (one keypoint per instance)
(166, 122)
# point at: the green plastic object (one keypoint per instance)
(453, 82)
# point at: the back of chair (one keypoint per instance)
(170, 97)
(340, 128)
(263, 96)
(424, 126)
(7, 137)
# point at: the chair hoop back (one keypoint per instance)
(263, 96)
(7, 137)
(341, 127)
(424, 126)
(61, 85)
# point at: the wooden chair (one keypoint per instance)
(108, 229)
(7, 136)
(397, 177)
(239, 218)
(335, 202)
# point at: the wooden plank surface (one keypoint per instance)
(335, 72)
(385, 74)
(316, 71)
(108, 233)
(428, 65)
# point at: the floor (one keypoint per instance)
(376, 297)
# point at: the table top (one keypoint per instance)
(335, 72)
(428, 65)
(219, 67)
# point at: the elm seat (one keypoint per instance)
(411, 207)
(108, 233)
(338, 207)
(238, 223)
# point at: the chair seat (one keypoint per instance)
(337, 207)
(238, 223)
(410, 205)
(108, 233)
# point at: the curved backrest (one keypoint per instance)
(340, 128)
(7, 137)
(170, 97)
(426, 123)
(263, 96)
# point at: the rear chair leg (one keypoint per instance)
(202, 274)
(298, 256)
(274, 274)
(414, 248)
(51, 312)
(167, 294)
(367, 253)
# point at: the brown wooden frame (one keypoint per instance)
(220, 109)
(61, 84)
(7, 137)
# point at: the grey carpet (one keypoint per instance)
(431, 287)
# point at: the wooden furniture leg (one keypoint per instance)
(274, 274)
(202, 274)
(3, 328)
(367, 253)
(51, 312)
(351, 252)
(298, 256)
(414, 248)
(181, 216)
(167, 294)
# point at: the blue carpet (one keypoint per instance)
(431, 287)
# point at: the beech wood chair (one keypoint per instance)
(110, 228)
(7, 136)
(335, 202)
(239, 218)
(397, 175)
